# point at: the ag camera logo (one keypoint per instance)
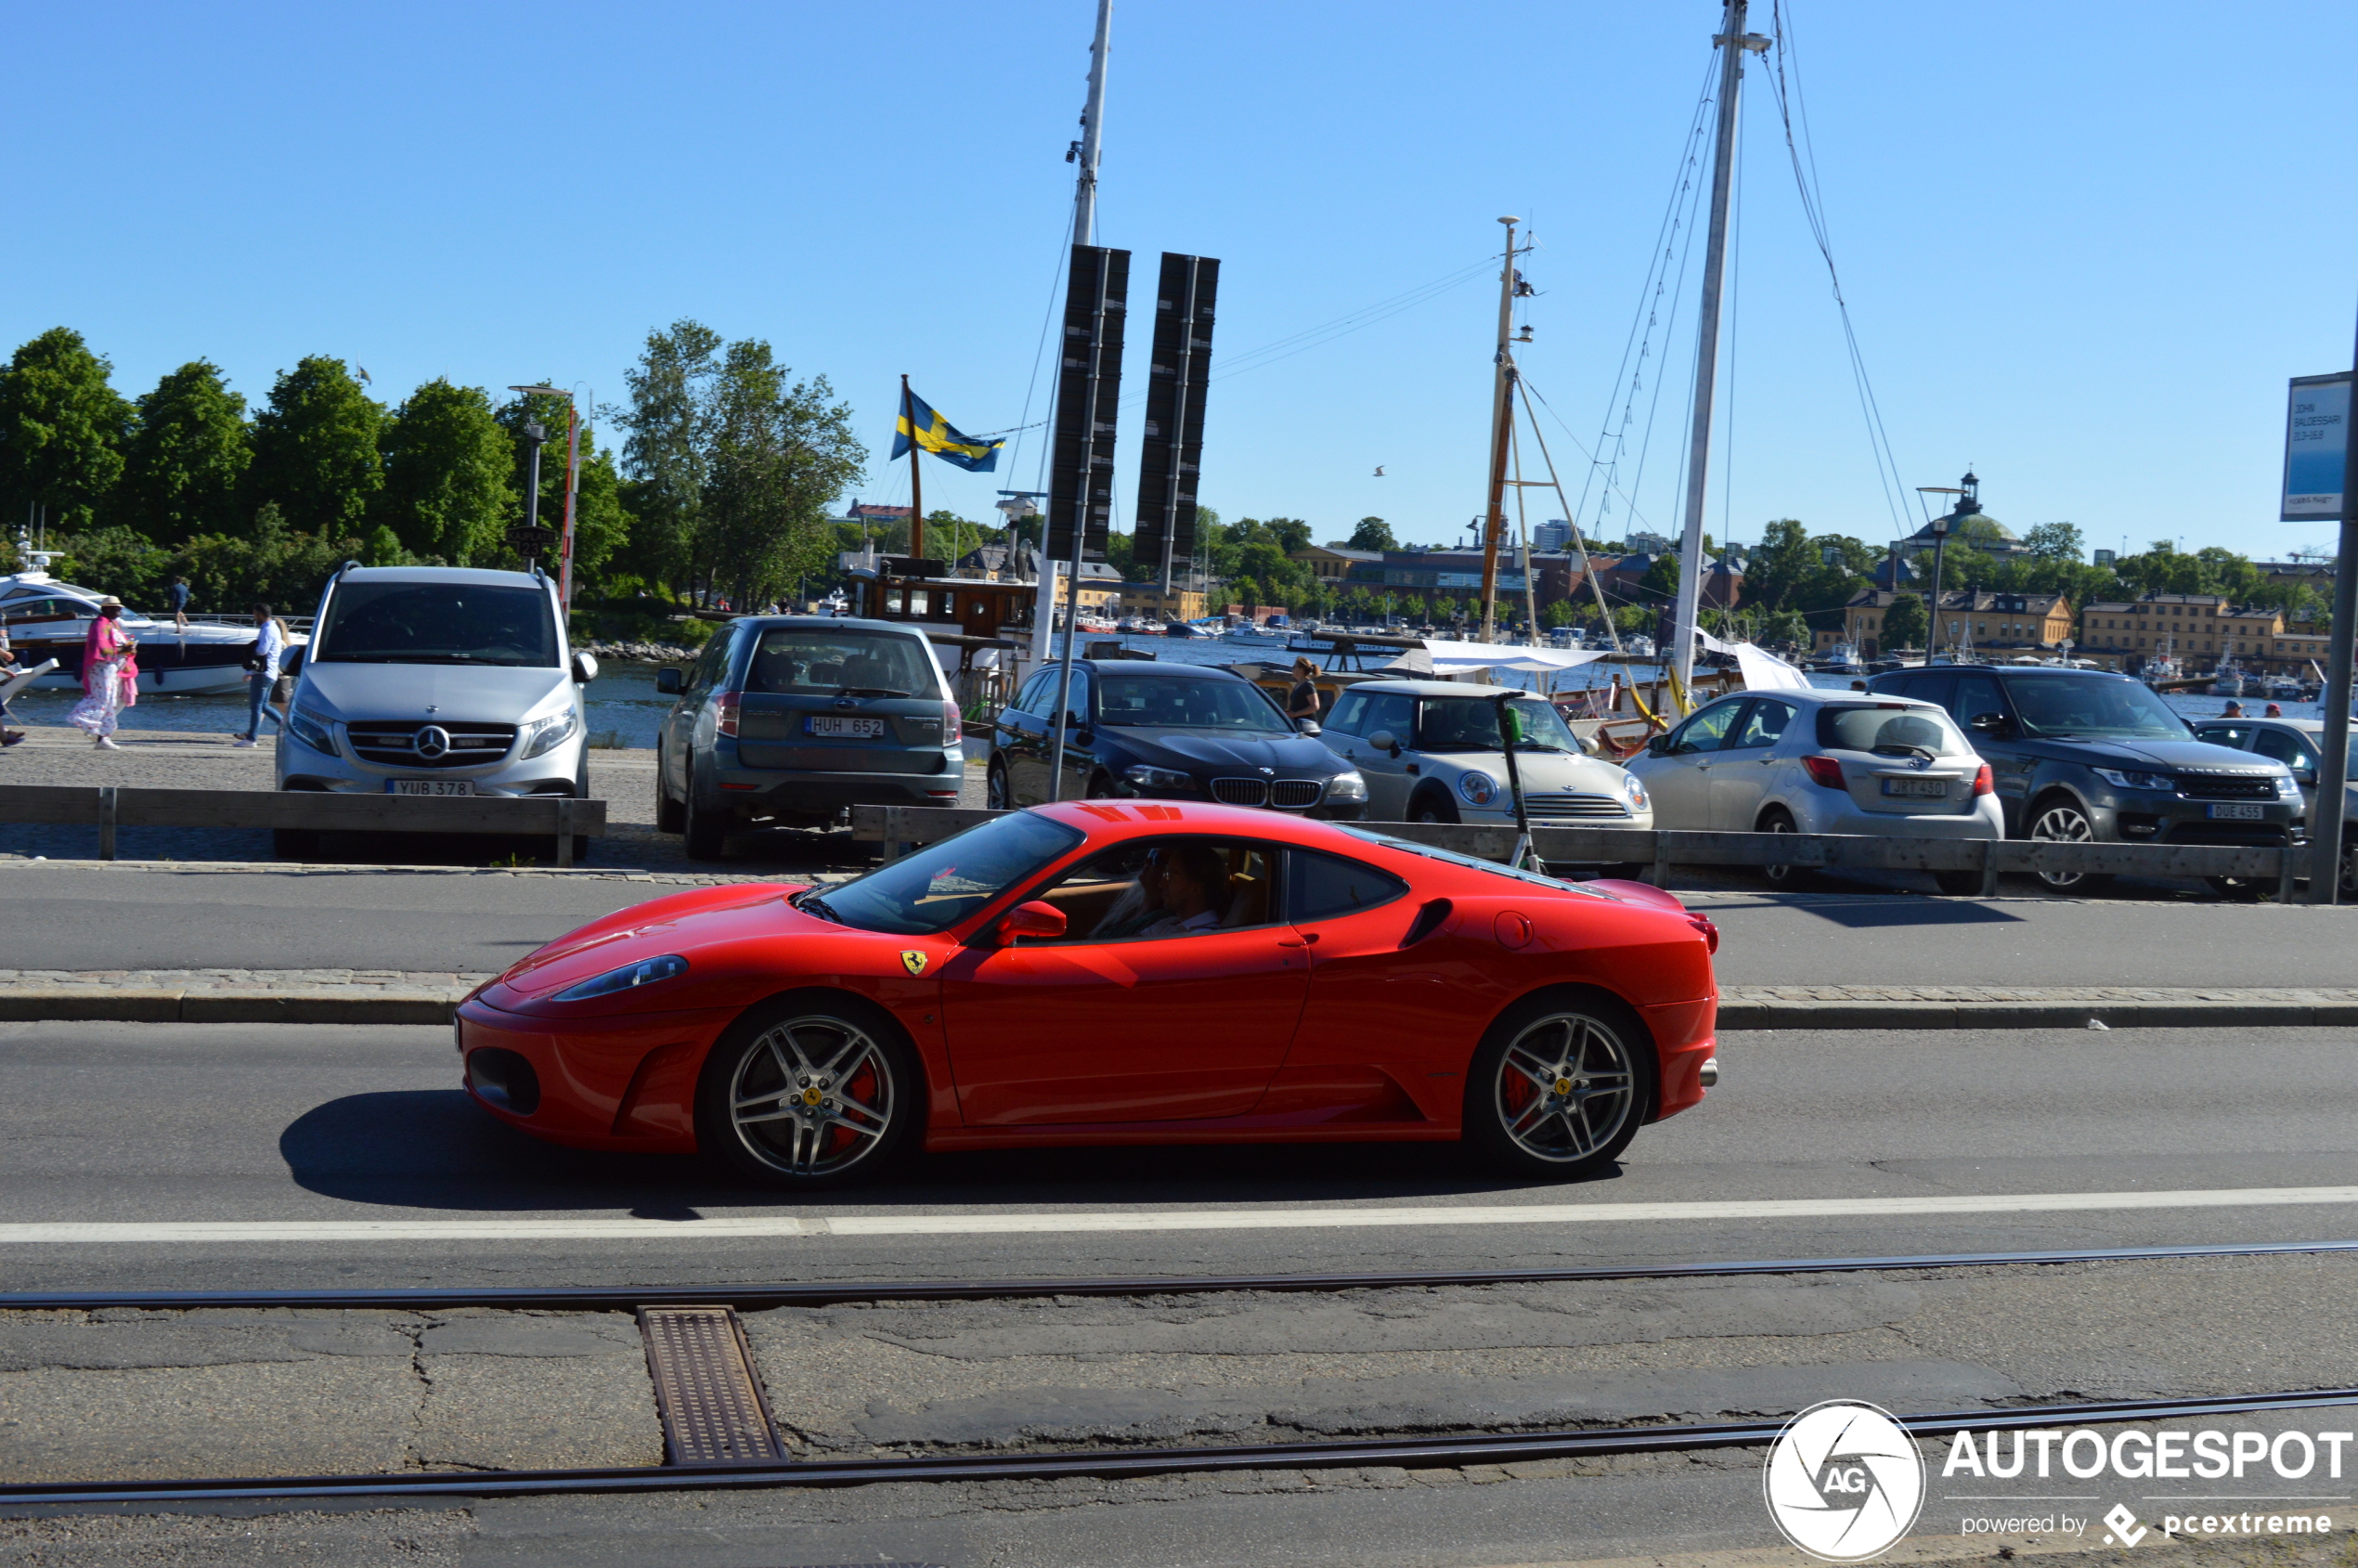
(1843, 1481)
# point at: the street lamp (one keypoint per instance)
(534, 431)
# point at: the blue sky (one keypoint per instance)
(2084, 244)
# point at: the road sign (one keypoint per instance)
(531, 541)
(2316, 440)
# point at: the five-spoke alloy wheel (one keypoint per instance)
(808, 1095)
(1559, 1085)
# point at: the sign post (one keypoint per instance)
(2321, 480)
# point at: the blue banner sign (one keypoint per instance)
(2316, 445)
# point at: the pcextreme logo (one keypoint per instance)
(1843, 1481)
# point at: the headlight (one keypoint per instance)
(1347, 786)
(1157, 778)
(2119, 780)
(544, 736)
(2287, 786)
(1477, 787)
(646, 972)
(1635, 791)
(312, 730)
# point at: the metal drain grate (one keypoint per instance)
(706, 1388)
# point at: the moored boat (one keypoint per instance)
(48, 619)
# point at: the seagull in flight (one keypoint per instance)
(1379, 471)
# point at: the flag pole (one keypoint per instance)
(916, 480)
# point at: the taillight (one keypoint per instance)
(1710, 932)
(953, 724)
(724, 713)
(1826, 771)
(1982, 782)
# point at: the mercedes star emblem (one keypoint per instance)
(433, 741)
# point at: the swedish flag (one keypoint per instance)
(937, 435)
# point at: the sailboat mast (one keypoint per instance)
(1493, 525)
(1732, 40)
(1093, 119)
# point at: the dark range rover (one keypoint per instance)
(1166, 732)
(2081, 755)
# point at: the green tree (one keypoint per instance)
(1246, 593)
(778, 453)
(1559, 614)
(186, 457)
(63, 426)
(315, 449)
(1905, 625)
(602, 522)
(2056, 541)
(1290, 534)
(1373, 533)
(1785, 558)
(666, 446)
(1661, 582)
(268, 564)
(114, 560)
(447, 476)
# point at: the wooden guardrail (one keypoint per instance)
(896, 826)
(110, 807)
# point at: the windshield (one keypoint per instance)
(1430, 853)
(437, 623)
(827, 662)
(2091, 706)
(944, 883)
(1165, 701)
(1891, 729)
(1471, 724)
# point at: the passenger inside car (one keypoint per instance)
(1162, 889)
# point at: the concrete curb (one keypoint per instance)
(142, 1005)
(1931, 1015)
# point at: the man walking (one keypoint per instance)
(262, 674)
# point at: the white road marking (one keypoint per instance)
(55, 1233)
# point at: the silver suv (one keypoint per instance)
(437, 681)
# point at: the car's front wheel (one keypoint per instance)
(1559, 1085)
(1784, 878)
(808, 1092)
(670, 818)
(705, 832)
(995, 791)
(1433, 807)
(2061, 820)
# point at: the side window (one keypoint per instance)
(1036, 695)
(1323, 887)
(1705, 731)
(1929, 688)
(1344, 719)
(2278, 746)
(1394, 711)
(714, 661)
(1763, 726)
(2236, 735)
(1974, 694)
(1162, 889)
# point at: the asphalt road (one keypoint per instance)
(172, 1126)
(69, 916)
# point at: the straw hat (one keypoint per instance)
(109, 602)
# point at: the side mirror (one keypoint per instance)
(585, 668)
(667, 682)
(1307, 726)
(1989, 723)
(1037, 919)
(1657, 746)
(1383, 740)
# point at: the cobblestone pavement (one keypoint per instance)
(170, 759)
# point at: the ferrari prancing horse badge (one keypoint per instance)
(914, 962)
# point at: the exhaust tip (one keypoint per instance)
(1708, 1074)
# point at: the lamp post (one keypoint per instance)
(572, 483)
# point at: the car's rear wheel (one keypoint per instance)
(808, 1092)
(1559, 1085)
(2061, 820)
(1784, 878)
(707, 834)
(995, 792)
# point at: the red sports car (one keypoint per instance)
(1103, 972)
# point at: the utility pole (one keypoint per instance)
(1732, 40)
(1092, 119)
(1494, 521)
(2327, 823)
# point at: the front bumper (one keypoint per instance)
(622, 1083)
(1323, 809)
(552, 772)
(2139, 817)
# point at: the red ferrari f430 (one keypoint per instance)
(1112, 972)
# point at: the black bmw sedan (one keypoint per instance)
(1140, 730)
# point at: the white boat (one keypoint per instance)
(48, 619)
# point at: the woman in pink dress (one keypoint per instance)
(110, 675)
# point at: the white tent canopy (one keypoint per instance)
(1447, 657)
(1762, 670)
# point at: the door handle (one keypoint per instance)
(1307, 939)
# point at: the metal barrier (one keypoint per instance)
(109, 807)
(895, 827)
